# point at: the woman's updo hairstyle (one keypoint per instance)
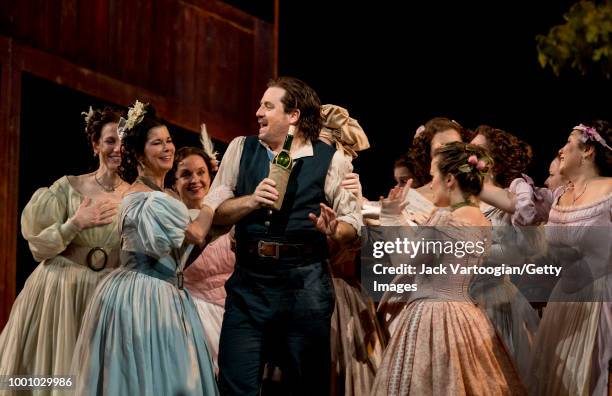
(468, 163)
(95, 120)
(420, 152)
(134, 133)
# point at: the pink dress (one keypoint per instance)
(444, 344)
(205, 279)
(574, 342)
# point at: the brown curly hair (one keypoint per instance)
(298, 95)
(185, 152)
(420, 152)
(95, 124)
(454, 155)
(510, 154)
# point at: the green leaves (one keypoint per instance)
(582, 43)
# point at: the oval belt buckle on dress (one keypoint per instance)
(90, 259)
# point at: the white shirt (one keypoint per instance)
(343, 202)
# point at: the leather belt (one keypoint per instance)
(278, 250)
(96, 258)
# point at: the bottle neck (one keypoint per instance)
(288, 141)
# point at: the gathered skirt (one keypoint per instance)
(211, 316)
(41, 332)
(446, 348)
(513, 317)
(142, 335)
(356, 340)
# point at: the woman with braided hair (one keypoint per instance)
(444, 344)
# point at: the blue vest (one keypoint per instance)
(305, 191)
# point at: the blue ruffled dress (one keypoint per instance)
(141, 334)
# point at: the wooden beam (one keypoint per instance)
(10, 102)
(79, 78)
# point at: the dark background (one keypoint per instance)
(394, 65)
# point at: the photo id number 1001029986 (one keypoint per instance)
(31, 382)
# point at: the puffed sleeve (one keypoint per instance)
(45, 222)
(344, 203)
(160, 221)
(225, 181)
(532, 203)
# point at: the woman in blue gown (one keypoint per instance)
(141, 334)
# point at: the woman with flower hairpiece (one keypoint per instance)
(141, 334)
(436, 133)
(71, 228)
(516, 237)
(573, 346)
(412, 203)
(444, 344)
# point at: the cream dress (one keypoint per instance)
(573, 346)
(43, 326)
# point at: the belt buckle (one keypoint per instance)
(261, 253)
(89, 259)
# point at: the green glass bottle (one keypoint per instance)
(283, 158)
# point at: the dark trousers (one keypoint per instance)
(279, 313)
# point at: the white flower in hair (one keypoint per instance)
(135, 115)
(88, 115)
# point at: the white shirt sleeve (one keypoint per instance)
(344, 203)
(224, 185)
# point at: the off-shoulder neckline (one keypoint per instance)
(578, 207)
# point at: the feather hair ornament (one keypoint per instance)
(208, 145)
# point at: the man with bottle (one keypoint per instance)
(280, 298)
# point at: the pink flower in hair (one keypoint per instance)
(480, 165)
(472, 160)
(588, 133)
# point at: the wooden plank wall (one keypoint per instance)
(196, 60)
(203, 54)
